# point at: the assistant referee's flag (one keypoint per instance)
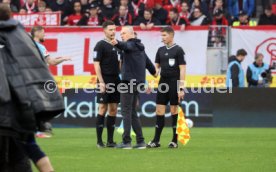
(182, 127)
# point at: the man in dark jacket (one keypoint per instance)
(134, 63)
(268, 18)
(147, 21)
(235, 72)
(23, 98)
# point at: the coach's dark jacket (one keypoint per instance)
(23, 73)
(135, 61)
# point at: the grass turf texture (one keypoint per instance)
(210, 149)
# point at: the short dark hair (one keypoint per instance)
(108, 23)
(5, 12)
(148, 10)
(168, 30)
(199, 9)
(268, 7)
(35, 29)
(241, 52)
(185, 2)
(175, 10)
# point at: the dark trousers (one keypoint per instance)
(130, 117)
(12, 156)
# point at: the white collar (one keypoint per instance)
(171, 46)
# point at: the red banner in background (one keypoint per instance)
(42, 19)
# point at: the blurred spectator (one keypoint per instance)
(73, 19)
(173, 3)
(123, 18)
(248, 6)
(30, 6)
(138, 7)
(12, 7)
(218, 43)
(160, 13)
(244, 20)
(41, 6)
(234, 6)
(91, 17)
(184, 13)
(202, 5)
(218, 6)
(197, 18)
(176, 20)
(107, 10)
(148, 21)
(217, 33)
(48, 10)
(267, 18)
(129, 6)
(266, 3)
(64, 6)
(219, 18)
(85, 5)
(22, 11)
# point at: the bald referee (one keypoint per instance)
(170, 59)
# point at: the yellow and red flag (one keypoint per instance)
(182, 127)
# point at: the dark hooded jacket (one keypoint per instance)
(23, 75)
(135, 61)
(234, 71)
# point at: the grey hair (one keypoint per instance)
(258, 55)
(129, 29)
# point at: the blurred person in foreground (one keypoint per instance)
(23, 99)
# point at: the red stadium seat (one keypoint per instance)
(168, 7)
(274, 8)
(178, 7)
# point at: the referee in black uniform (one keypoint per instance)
(170, 58)
(106, 62)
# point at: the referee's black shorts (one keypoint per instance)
(171, 96)
(114, 97)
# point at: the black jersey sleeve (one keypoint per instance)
(157, 57)
(98, 52)
(150, 65)
(181, 57)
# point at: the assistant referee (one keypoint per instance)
(170, 58)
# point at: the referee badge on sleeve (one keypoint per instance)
(171, 62)
(95, 54)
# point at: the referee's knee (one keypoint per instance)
(112, 111)
(102, 109)
(174, 110)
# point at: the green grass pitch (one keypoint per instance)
(210, 149)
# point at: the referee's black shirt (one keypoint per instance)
(169, 59)
(108, 56)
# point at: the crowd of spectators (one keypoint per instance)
(150, 13)
(147, 13)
